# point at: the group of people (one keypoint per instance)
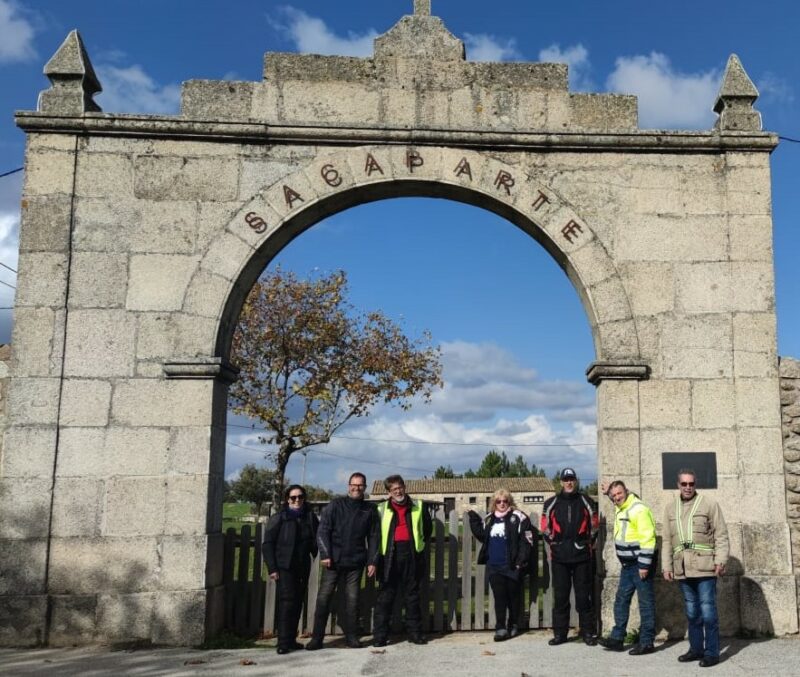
(388, 540)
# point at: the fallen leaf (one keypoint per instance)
(487, 653)
(379, 651)
(247, 661)
(194, 661)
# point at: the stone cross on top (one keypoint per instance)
(422, 7)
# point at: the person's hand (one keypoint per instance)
(274, 575)
(370, 571)
(719, 570)
(668, 576)
(604, 487)
(643, 574)
(326, 563)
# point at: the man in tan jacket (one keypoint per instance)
(695, 551)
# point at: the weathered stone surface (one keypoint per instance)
(125, 617)
(159, 282)
(45, 224)
(757, 402)
(42, 279)
(99, 280)
(766, 549)
(790, 368)
(33, 401)
(85, 402)
(100, 343)
(22, 580)
(28, 451)
(665, 403)
(25, 504)
(104, 565)
(179, 618)
(148, 402)
(22, 620)
(73, 619)
(77, 507)
(169, 178)
(216, 99)
(712, 404)
(769, 604)
(34, 333)
(135, 506)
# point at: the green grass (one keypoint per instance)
(233, 515)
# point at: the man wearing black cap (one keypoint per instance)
(569, 524)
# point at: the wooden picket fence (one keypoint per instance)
(455, 590)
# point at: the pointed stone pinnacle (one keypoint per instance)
(735, 99)
(420, 35)
(73, 79)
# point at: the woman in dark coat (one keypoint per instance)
(506, 536)
(290, 543)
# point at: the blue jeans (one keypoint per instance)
(629, 582)
(700, 604)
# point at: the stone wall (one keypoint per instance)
(790, 408)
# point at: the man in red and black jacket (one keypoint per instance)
(569, 525)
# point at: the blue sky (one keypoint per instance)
(515, 338)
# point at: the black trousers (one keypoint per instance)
(405, 573)
(507, 599)
(331, 579)
(291, 587)
(576, 575)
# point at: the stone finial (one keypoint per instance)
(420, 35)
(73, 80)
(422, 7)
(735, 100)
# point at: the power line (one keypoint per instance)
(788, 138)
(451, 444)
(7, 267)
(13, 171)
(7, 284)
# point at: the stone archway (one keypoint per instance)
(141, 235)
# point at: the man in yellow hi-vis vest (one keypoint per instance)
(635, 543)
(695, 554)
(405, 527)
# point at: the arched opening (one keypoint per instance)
(277, 247)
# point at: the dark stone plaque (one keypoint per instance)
(704, 464)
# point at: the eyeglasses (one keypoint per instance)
(359, 486)
(297, 497)
(569, 479)
(501, 500)
(687, 484)
(395, 489)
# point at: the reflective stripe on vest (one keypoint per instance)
(415, 511)
(682, 535)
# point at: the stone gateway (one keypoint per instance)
(141, 236)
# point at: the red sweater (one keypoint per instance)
(401, 531)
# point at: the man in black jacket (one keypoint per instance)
(347, 538)
(405, 528)
(569, 525)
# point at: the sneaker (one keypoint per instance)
(352, 642)
(417, 639)
(611, 644)
(689, 656)
(513, 631)
(708, 662)
(589, 639)
(380, 641)
(557, 640)
(314, 644)
(640, 650)
(500, 635)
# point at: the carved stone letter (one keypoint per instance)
(572, 229)
(291, 196)
(463, 168)
(372, 165)
(541, 200)
(413, 159)
(504, 180)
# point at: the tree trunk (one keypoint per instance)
(280, 474)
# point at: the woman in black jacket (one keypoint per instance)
(506, 536)
(290, 543)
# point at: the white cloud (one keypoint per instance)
(577, 58)
(667, 99)
(482, 47)
(130, 89)
(772, 87)
(16, 34)
(10, 192)
(491, 399)
(310, 34)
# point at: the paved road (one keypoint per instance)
(453, 655)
